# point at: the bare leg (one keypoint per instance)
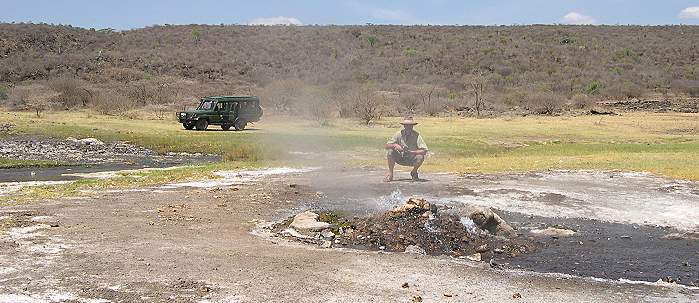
(418, 162)
(391, 165)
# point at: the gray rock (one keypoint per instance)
(308, 221)
(414, 249)
(554, 232)
(328, 234)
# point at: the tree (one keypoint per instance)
(371, 40)
(367, 106)
(476, 85)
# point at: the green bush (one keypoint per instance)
(3, 92)
(594, 87)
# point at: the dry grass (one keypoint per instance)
(667, 144)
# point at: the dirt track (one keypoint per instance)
(190, 245)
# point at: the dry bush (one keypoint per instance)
(111, 103)
(625, 90)
(477, 84)
(281, 95)
(159, 90)
(581, 101)
(159, 111)
(71, 92)
(408, 104)
(122, 75)
(544, 103)
(689, 87)
(367, 106)
(320, 109)
(4, 91)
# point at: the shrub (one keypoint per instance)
(367, 106)
(320, 109)
(581, 101)
(3, 92)
(111, 103)
(408, 103)
(689, 87)
(71, 92)
(625, 90)
(594, 87)
(544, 103)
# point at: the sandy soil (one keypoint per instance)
(194, 244)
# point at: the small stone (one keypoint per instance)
(498, 250)
(554, 232)
(405, 285)
(308, 221)
(474, 257)
(417, 299)
(516, 296)
(414, 249)
(327, 244)
(481, 249)
(382, 247)
(448, 295)
(328, 234)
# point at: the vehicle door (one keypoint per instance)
(227, 114)
(219, 110)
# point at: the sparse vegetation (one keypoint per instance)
(171, 66)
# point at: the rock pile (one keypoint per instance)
(416, 227)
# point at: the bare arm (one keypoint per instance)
(394, 146)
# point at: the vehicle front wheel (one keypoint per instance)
(202, 124)
(226, 126)
(188, 126)
(240, 124)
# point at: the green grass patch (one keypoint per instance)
(132, 179)
(663, 143)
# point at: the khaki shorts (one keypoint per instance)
(405, 159)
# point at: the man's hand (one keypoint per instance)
(397, 147)
(418, 152)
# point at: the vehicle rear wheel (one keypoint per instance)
(202, 124)
(226, 126)
(240, 124)
(188, 126)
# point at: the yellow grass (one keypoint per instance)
(662, 143)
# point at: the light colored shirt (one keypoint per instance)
(413, 140)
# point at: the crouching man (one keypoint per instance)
(406, 148)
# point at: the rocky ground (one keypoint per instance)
(84, 151)
(206, 242)
(85, 155)
(685, 105)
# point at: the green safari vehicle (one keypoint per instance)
(226, 111)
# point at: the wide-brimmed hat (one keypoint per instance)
(408, 121)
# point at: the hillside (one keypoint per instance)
(515, 64)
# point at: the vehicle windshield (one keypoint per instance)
(206, 105)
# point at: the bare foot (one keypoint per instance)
(414, 175)
(388, 178)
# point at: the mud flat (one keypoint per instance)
(193, 243)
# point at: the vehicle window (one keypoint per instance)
(206, 105)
